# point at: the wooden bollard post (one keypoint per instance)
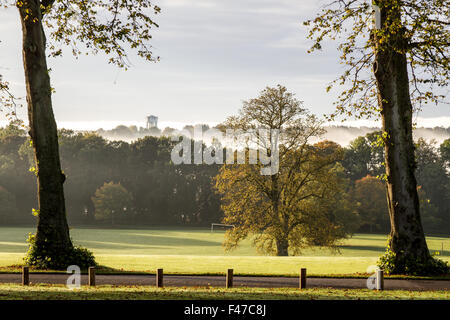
(159, 278)
(229, 278)
(25, 276)
(302, 280)
(380, 280)
(91, 275)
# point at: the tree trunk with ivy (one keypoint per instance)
(398, 37)
(407, 240)
(121, 24)
(52, 238)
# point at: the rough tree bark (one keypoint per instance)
(282, 247)
(282, 242)
(52, 235)
(407, 239)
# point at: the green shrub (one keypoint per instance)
(40, 258)
(391, 263)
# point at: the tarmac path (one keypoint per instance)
(238, 281)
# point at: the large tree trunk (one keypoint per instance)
(282, 247)
(52, 235)
(407, 239)
(282, 242)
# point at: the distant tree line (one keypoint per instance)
(364, 164)
(156, 191)
(119, 183)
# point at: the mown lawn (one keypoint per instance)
(198, 251)
(60, 292)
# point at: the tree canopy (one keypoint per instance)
(288, 208)
(113, 28)
(424, 24)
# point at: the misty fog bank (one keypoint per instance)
(342, 135)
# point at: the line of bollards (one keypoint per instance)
(91, 276)
(229, 279)
(302, 280)
(159, 278)
(379, 281)
(25, 276)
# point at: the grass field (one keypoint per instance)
(59, 292)
(198, 251)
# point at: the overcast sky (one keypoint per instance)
(214, 54)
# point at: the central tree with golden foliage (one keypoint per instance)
(300, 204)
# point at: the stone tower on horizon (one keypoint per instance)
(152, 122)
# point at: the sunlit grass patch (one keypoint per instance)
(59, 292)
(200, 251)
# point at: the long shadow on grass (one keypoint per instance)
(374, 237)
(148, 241)
(363, 248)
(173, 240)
